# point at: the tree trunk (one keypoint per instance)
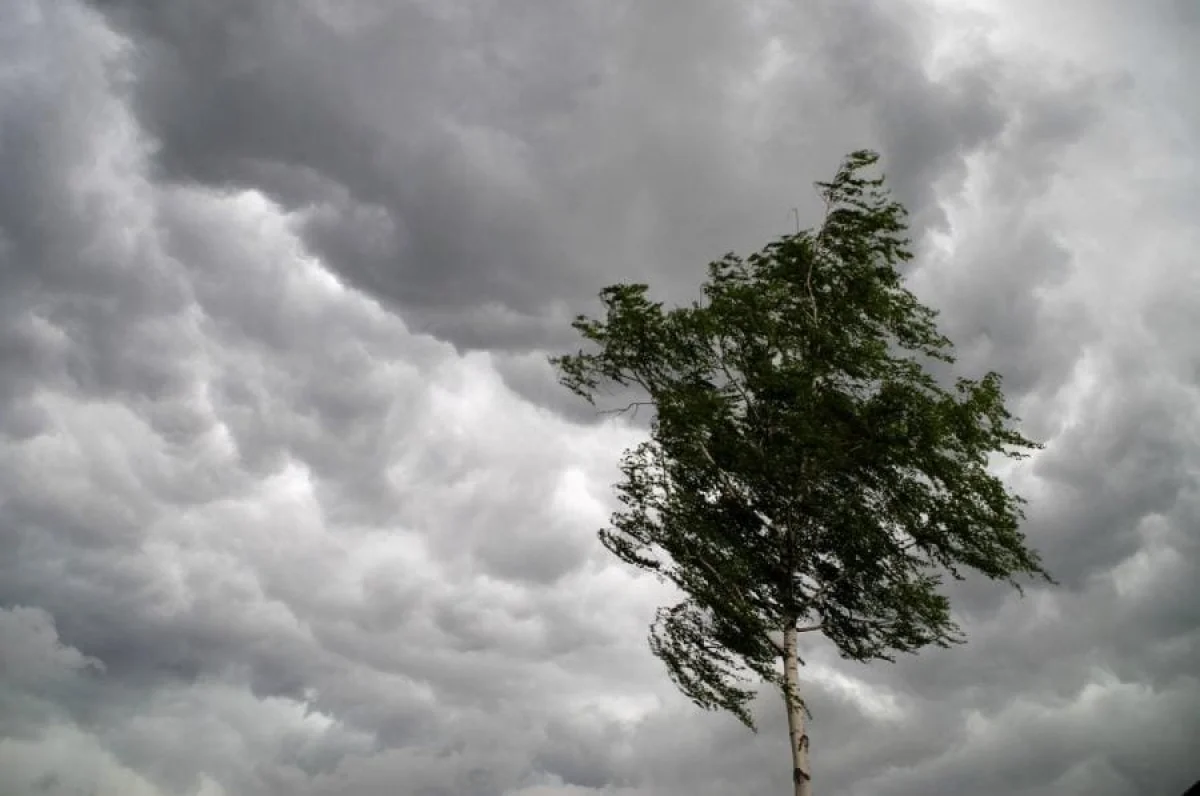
(797, 734)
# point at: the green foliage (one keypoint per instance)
(803, 466)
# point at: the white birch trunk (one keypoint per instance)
(797, 733)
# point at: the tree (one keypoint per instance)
(805, 472)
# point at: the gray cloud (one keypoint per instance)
(487, 166)
(289, 501)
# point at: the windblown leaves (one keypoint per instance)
(803, 465)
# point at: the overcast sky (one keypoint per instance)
(290, 503)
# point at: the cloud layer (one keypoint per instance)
(289, 502)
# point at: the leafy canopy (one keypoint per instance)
(803, 467)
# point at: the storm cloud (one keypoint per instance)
(290, 502)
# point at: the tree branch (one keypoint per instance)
(732, 489)
(732, 381)
(818, 242)
(634, 405)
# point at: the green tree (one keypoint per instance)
(805, 472)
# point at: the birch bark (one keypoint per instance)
(797, 733)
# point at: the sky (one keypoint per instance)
(290, 502)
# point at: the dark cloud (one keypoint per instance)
(290, 501)
(479, 170)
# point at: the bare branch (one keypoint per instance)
(634, 405)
